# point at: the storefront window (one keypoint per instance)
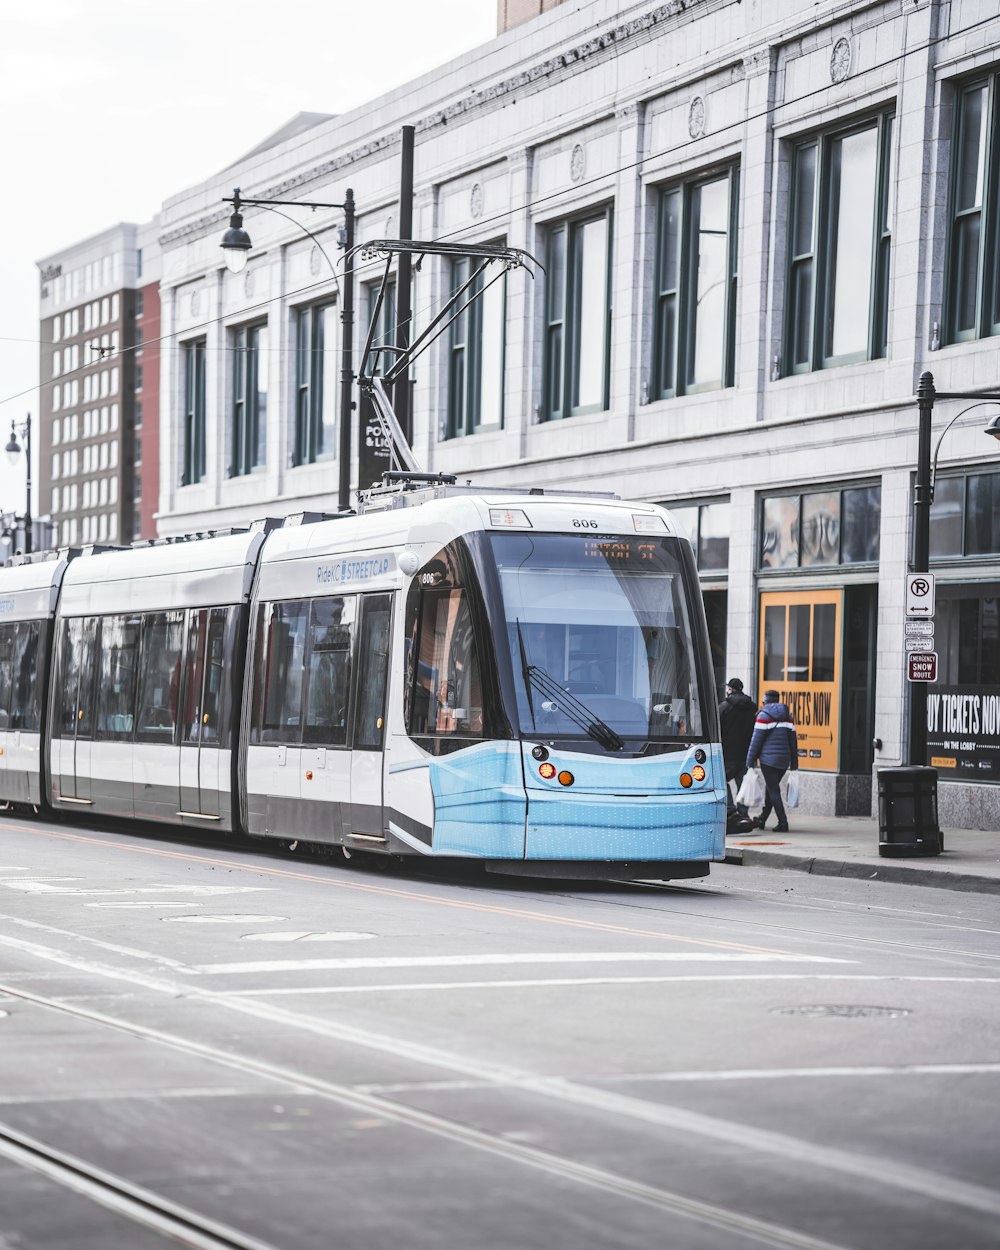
(965, 516)
(781, 532)
(707, 525)
(963, 706)
(821, 529)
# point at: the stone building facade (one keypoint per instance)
(759, 224)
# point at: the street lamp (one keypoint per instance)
(236, 244)
(13, 450)
(923, 497)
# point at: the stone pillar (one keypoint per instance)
(522, 357)
(628, 273)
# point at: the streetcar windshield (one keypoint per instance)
(600, 636)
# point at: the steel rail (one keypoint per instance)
(114, 1193)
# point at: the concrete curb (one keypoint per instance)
(884, 870)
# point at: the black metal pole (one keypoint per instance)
(347, 356)
(404, 279)
(922, 501)
(27, 500)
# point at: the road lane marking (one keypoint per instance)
(706, 1077)
(364, 887)
(869, 1169)
(307, 935)
(199, 891)
(699, 978)
(483, 961)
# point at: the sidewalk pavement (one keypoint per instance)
(847, 846)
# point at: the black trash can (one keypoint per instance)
(908, 812)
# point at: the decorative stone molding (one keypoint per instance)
(696, 117)
(577, 163)
(840, 60)
(195, 303)
(249, 283)
(315, 261)
(476, 200)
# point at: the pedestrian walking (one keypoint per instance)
(737, 714)
(775, 745)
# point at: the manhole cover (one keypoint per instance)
(849, 1010)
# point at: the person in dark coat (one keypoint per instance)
(737, 713)
(776, 746)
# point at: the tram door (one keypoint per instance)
(75, 709)
(200, 755)
(369, 715)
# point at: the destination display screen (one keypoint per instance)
(619, 550)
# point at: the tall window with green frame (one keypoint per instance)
(577, 316)
(839, 242)
(249, 416)
(380, 362)
(315, 384)
(696, 285)
(973, 281)
(194, 459)
(476, 351)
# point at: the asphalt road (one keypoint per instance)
(216, 1046)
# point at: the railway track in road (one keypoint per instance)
(131, 1203)
(145, 1207)
(78, 953)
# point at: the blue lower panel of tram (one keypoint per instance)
(615, 810)
(479, 801)
(591, 827)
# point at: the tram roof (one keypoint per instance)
(192, 573)
(395, 518)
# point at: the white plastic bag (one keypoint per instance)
(792, 796)
(751, 791)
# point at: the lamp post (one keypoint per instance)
(13, 450)
(923, 497)
(236, 244)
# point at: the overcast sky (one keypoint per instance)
(110, 108)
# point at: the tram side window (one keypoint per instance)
(116, 677)
(8, 636)
(373, 662)
(447, 691)
(204, 672)
(74, 686)
(25, 709)
(328, 669)
(282, 648)
(159, 676)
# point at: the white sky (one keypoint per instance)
(109, 108)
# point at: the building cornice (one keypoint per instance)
(610, 43)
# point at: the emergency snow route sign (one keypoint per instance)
(920, 596)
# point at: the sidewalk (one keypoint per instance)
(847, 846)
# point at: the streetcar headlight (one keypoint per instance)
(698, 773)
(700, 756)
(548, 771)
(566, 778)
(686, 780)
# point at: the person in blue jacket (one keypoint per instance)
(776, 746)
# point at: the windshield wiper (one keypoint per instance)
(578, 712)
(526, 672)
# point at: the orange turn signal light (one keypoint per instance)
(548, 771)
(698, 773)
(309, 775)
(686, 779)
(566, 778)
